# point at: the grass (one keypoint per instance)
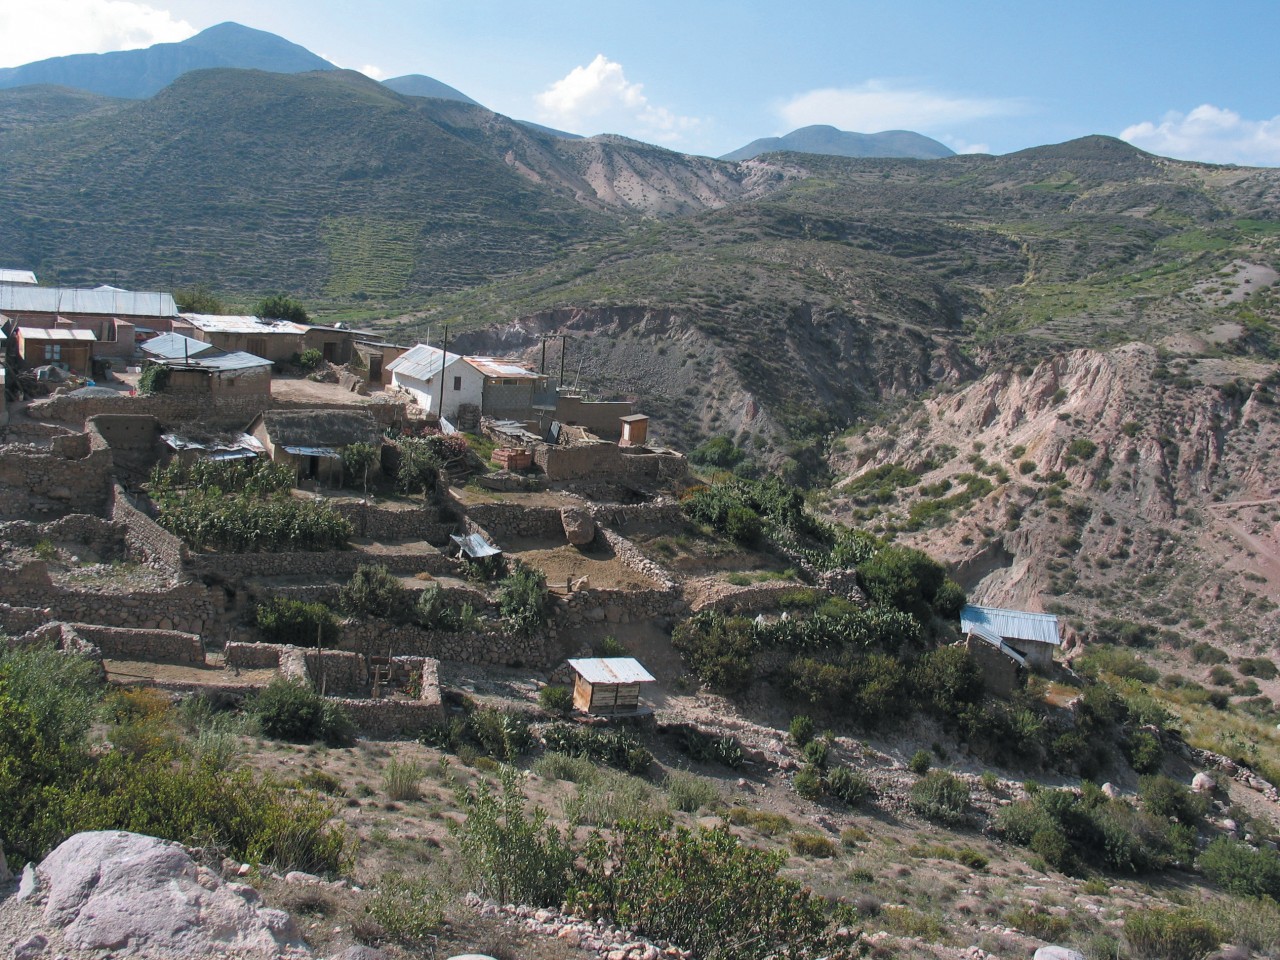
(401, 780)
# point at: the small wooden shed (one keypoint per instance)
(608, 685)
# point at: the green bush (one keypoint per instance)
(401, 780)
(280, 306)
(419, 466)
(689, 793)
(1240, 869)
(310, 359)
(154, 379)
(946, 680)
(920, 762)
(704, 890)
(707, 747)
(357, 460)
(523, 599)
(410, 912)
(808, 782)
(812, 845)
(1166, 797)
(502, 734)
(283, 620)
(291, 711)
(373, 591)
(556, 699)
(742, 524)
(614, 747)
(717, 649)
(610, 799)
(508, 853)
(817, 752)
(1154, 934)
(801, 730)
(1144, 751)
(941, 797)
(848, 786)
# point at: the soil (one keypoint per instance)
(562, 563)
(140, 671)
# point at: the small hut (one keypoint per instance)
(312, 441)
(608, 685)
(1033, 636)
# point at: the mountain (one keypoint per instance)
(137, 74)
(416, 85)
(841, 143)
(43, 104)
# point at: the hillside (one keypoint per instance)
(828, 140)
(44, 104)
(416, 85)
(141, 73)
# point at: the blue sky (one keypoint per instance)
(1188, 79)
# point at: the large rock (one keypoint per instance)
(139, 896)
(1203, 783)
(1058, 953)
(579, 527)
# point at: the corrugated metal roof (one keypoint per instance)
(982, 633)
(16, 276)
(327, 452)
(474, 545)
(611, 670)
(1010, 624)
(58, 333)
(220, 362)
(174, 346)
(107, 301)
(213, 323)
(242, 445)
(505, 369)
(422, 362)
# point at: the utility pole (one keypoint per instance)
(444, 356)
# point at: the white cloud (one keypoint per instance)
(964, 146)
(879, 105)
(372, 72)
(1210, 134)
(599, 98)
(38, 29)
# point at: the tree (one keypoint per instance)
(280, 307)
(357, 458)
(198, 299)
(419, 469)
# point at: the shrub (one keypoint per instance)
(401, 779)
(707, 747)
(717, 649)
(941, 797)
(310, 359)
(1037, 922)
(742, 524)
(704, 890)
(556, 699)
(560, 766)
(903, 577)
(611, 799)
(848, 786)
(1166, 797)
(1144, 751)
(762, 821)
(283, 620)
(408, 911)
(946, 680)
(508, 853)
(291, 711)
(615, 747)
(357, 459)
(920, 762)
(689, 793)
(801, 730)
(812, 845)
(1154, 934)
(373, 591)
(418, 469)
(280, 306)
(1240, 869)
(522, 598)
(502, 734)
(808, 782)
(817, 752)
(154, 379)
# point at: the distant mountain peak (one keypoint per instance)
(828, 140)
(137, 74)
(417, 85)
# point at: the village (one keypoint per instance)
(574, 488)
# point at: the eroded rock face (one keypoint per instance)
(579, 528)
(140, 896)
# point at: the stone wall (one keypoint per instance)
(507, 520)
(493, 648)
(252, 656)
(15, 620)
(384, 719)
(234, 411)
(148, 542)
(661, 514)
(336, 563)
(715, 594)
(337, 673)
(104, 538)
(594, 605)
(187, 607)
(72, 476)
(381, 523)
(120, 643)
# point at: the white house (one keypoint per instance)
(1032, 636)
(419, 372)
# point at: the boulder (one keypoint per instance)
(1109, 790)
(1203, 783)
(1058, 953)
(579, 527)
(111, 890)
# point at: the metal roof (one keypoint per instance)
(214, 323)
(327, 452)
(982, 633)
(474, 545)
(1010, 624)
(16, 276)
(57, 333)
(504, 369)
(611, 670)
(421, 362)
(241, 445)
(220, 362)
(108, 301)
(174, 346)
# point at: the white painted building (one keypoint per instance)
(419, 373)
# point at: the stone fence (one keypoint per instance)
(491, 648)
(594, 605)
(186, 607)
(507, 520)
(252, 656)
(335, 563)
(148, 541)
(105, 538)
(15, 620)
(382, 523)
(711, 593)
(71, 477)
(661, 513)
(169, 409)
(123, 643)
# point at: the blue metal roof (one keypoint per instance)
(174, 346)
(1010, 624)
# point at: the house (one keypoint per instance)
(334, 343)
(375, 356)
(274, 340)
(608, 685)
(439, 382)
(69, 347)
(312, 441)
(16, 276)
(114, 316)
(1032, 636)
(509, 390)
(187, 448)
(219, 374)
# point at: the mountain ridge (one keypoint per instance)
(830, 141)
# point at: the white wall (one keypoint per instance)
(426, 393)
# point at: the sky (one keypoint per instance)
(1192, 80)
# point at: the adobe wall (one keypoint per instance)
(601, 417)
(122, 643)
(147, 540)
(169, 409)
(999, 673)
(71, 476)
(575, 463)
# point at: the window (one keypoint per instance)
(53, 351)
(457, 383)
